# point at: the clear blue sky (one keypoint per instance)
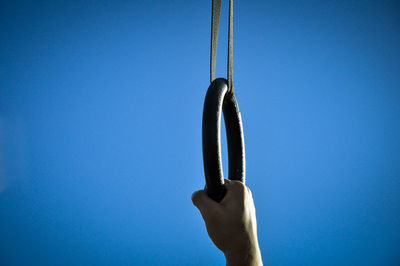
(100, 130)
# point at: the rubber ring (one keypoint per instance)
(218, 98)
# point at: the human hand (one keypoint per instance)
(231, 224)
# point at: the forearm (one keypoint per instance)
(246, 258)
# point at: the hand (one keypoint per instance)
(231, 224)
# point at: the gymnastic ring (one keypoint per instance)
(219, 98)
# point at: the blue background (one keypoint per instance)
(100, 130)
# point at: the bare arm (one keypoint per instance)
(231, 224)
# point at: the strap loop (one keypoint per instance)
(216, 11)
(220, 97)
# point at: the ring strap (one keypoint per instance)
(216, 11)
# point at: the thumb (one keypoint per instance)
(204, 203)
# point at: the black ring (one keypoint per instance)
(219, 98)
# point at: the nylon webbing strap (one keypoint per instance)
(216, 11)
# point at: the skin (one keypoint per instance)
(231, 224)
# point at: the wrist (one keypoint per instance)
(250, 257)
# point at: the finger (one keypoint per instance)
(249, 191)
(203, 202)
(235, 191)
(235, 185)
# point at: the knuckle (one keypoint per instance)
(238, 185)
(196, 196)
